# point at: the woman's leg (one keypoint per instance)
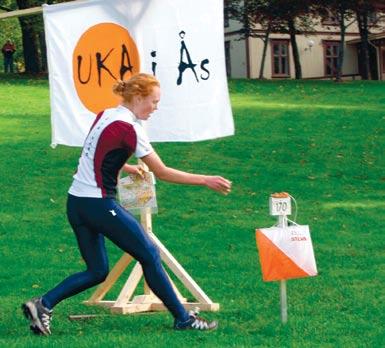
(92, 248)
(127, 233)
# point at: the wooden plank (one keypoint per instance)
(92, 316)
(177, 292)
(145, 219)
(85, 316)
(21, 13)
(147, 289)
(112, 277)
(145, 299)
(213, 307)
(132, 308)
(179, 271)
(107, 304)
(130, 286)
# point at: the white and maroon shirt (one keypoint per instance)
(115, 135)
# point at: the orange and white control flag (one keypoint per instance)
(286, 253)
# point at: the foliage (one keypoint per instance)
(261, 14)
(322, 142)
(10, 29)
(28, 34)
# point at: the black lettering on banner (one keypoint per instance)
(154, 64)
(185, 62)
(182, 65)
(100, 65)
(203, 63)
(80, 58)
(128, 67)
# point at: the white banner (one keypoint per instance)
(93, 43)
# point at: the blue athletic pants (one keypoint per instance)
(92, 219)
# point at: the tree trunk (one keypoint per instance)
(43, 51)
(30, 46)
(293, 40)
(30, 39)
(341, 53)
(362, 19)
(265, 44)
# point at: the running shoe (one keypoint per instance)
(39, 316)
(195, 323)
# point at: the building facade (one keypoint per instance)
(318, 52)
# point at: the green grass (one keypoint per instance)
(322, 142)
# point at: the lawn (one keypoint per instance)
(322, 142)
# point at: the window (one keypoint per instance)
(280, 58)
(331, 52)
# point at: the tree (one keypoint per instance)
(345, 19)
(363, 9)
(10, 29)
(349, 12)
(254, 16)
(29, 28)
(343, 12)
(32, 35)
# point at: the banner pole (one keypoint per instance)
(21, 13)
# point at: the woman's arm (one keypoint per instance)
(161, 171)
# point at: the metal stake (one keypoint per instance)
(282, 223)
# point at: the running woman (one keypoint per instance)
(94, 213)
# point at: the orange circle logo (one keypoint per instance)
(104, 53)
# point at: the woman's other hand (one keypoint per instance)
(137, 169)
(219, 184)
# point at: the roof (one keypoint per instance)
(372, 37)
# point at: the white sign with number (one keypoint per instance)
(280, 206)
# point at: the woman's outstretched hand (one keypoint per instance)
(162, 172)
(219, 184)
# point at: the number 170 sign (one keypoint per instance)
(280, 204)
